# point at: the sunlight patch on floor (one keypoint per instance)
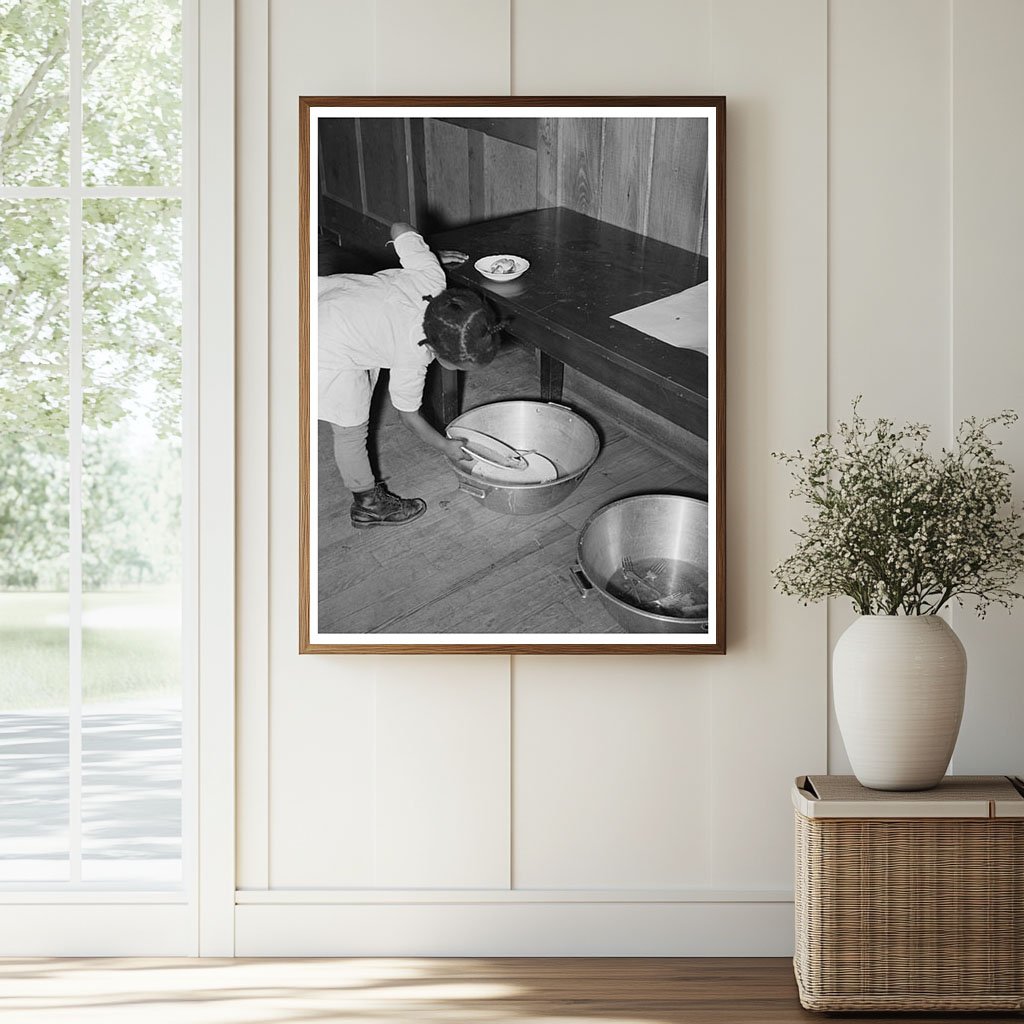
(188, 991)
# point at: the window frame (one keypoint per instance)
(92, 918)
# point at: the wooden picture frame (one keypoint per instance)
(609, 194)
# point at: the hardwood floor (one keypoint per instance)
(414, 991)
(462, 568)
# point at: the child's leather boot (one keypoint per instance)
(380, 507)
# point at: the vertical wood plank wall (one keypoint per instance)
(631, 805)
(447, 162)
(645, 174)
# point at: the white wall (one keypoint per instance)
(542, 805)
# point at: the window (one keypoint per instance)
(95, 453)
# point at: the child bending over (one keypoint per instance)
(400, 320)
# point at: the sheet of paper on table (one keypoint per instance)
(679, 320)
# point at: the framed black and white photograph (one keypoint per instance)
(512, 374)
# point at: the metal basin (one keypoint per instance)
(558, 433)
(648, 528)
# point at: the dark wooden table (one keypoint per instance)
(582, 271)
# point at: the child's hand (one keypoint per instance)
(453, 449)
(400, 228)
(451, 257)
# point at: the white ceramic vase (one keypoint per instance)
(898, 684)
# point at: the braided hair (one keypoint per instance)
(461, 327)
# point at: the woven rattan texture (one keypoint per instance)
(910, 914)
(960, 787)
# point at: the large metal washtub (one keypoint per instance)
(557, 432)
(647, 526)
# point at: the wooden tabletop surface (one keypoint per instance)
(583, 271)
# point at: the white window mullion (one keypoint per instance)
(96, 191)
(75, 300)
(34, 192)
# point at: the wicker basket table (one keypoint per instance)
(910, 901)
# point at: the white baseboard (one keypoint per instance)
(514, 928)
(99, 928)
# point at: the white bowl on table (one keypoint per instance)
(484, 264)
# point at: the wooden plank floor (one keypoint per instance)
(414, 991)
(462, 568)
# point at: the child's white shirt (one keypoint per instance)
(374, 321)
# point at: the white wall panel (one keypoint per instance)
(611, 754)
(608, 48)
(321, 726)
(847, 273)
(889, 250)
(442, 774)
(889, 209)
(323, 815)
(988, 331)
(612, 774)
(252, 466)
(442, 48)
(392, 776)
(769, 692)
(322, 762)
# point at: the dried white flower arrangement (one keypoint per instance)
(900, 530)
